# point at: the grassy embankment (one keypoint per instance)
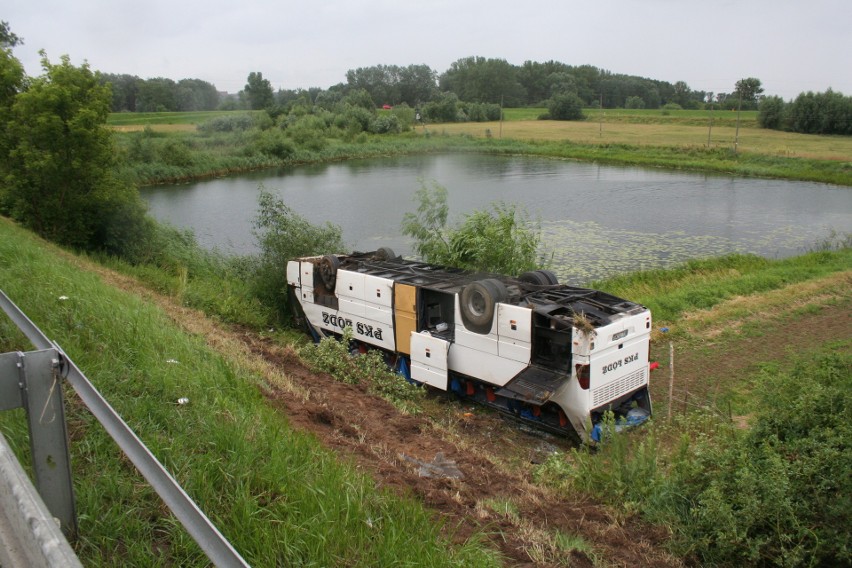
(677, 140)
(279, 497)
(276, 495)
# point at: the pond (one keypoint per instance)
(596, 220)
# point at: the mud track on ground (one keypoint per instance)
(484, 446)
(492, 454)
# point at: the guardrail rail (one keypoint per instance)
(32, 381)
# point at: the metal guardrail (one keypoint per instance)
(55, 484)
(29, 534)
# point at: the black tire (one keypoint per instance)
(328, 271)
(479, 301)
(534, 277)
(539, 278)
(550, 275)
(385, 253)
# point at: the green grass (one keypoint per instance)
(777, 493)
(275, 493)
(703, 284)
(748, 119)
(157, 118)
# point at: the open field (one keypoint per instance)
(752, 140)
(648, 116)
(164, 118)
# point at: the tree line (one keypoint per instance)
(809, 113)
(472, 79)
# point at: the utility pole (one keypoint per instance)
(600, 120)
(501, 118)
(737, 135)
(710, 125)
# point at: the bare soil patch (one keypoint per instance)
(377, 437)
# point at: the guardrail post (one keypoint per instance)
(43, 400)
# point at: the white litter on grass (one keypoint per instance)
(440, 467)
(183, 400)
(63, 298)
(172, 361)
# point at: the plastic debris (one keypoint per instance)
(183, 400)
(635, 417)
(172, 361)
(440, 467)
(63, 298)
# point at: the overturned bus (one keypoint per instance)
(556, 356)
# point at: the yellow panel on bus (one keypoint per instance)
(405, 311)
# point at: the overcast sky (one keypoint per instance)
(790, 45)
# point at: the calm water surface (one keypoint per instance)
(597, 220)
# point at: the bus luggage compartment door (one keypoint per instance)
(429, 360)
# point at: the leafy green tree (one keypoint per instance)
(500, 240)
(7, 38)
(565, 107)
(59, 178)
(380, 81)
(258, 91)
(748, 91)
(682, 94)
(360, 98)
(12, 81)
(157, 95)
(482, 80)
(537, 78)
(417, 84)
(195, 94)
(561, 83)
(821, 113)
(125, 90)
(771, 113)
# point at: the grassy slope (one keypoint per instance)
(278, 496)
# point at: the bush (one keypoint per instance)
(284, 235)
(339, 358)
(176, 153)
(634, 102)
(275, 143)
(405, 115)
(778, 494)
(501, 240)
(444, 109)
(354, 119)
(482, 112)
(308, 131)
(384, 124)
(566, 106)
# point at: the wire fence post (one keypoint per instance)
(671, 378)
